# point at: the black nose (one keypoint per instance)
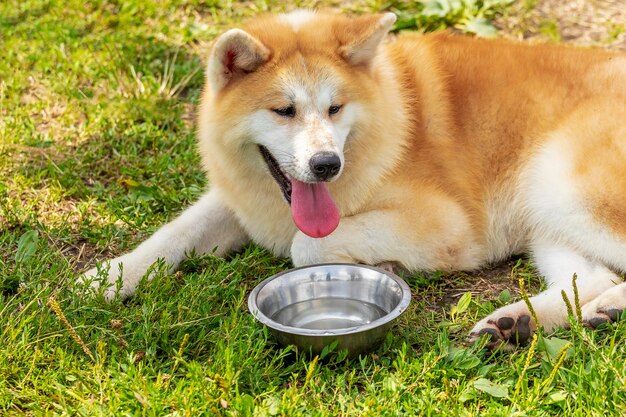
(325, 165)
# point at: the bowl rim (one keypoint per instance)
(387, 318)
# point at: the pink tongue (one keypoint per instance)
(313, 209)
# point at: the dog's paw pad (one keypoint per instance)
(494, 335)
(605, 308)
(505, 323)
(505, 331)
(602, 316)
(613, 313)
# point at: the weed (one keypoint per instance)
(97, 150)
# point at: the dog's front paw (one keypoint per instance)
(507, 327)
(605, 308)
(92, 280)
(116, 276)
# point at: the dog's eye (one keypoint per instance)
(289, 111)
(334, 109)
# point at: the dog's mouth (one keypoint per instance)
(312, 208)
(279, 176)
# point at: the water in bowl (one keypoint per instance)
(328, 314)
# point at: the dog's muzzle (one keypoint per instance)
(313, 209)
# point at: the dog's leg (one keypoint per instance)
(513, 324)
(573, 193)
(204, 227)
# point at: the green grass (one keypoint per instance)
(97, 150)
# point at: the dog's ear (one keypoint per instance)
(361, 37)
(234, 53)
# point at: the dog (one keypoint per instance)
(327, 140)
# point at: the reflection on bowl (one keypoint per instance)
(314, 306)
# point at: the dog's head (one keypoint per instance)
(292, 86)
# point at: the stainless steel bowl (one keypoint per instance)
(313, 306)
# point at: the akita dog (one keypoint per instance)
(328, 141)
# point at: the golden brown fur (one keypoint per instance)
(454, 151)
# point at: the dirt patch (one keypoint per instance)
(487, 283)
(597, 23)
(81, 254)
